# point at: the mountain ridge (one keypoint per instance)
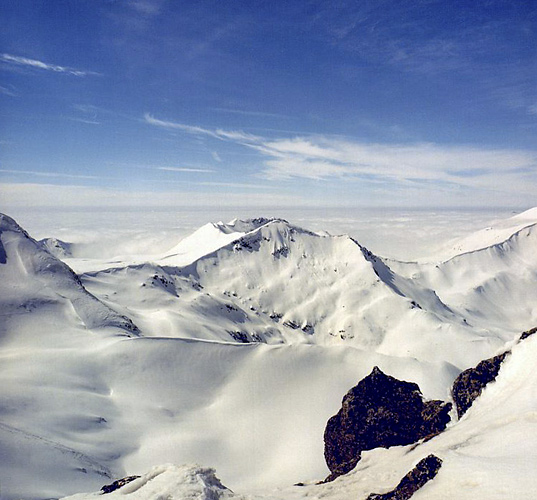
(188, 384)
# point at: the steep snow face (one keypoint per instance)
(493, 287)
(493, 235)
(31, 277)
(208, 239)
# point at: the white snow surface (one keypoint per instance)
(173, 483)
(250, 333)
(495, 234)
(489, 454)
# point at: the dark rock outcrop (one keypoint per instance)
(380, 411)
(469, 384)
(424, 471)
(527, 334)
(108, 488)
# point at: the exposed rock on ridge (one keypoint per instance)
(471, 382)
(425, 470)
(527, 334)
(380, 411)
(109, 488)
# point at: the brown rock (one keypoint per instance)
(380, 411)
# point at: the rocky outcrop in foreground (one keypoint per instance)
(424, 471)
(470, 383)
(380, 411)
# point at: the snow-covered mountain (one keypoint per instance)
(57, 247)
(491, 284)
(489, 454)
(247, 336)
(31, 278)
(266, 280)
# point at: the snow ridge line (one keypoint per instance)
(495, 245)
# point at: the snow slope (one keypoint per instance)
(280, 283)
(87, 399)
(489, 454)
(495, 234)
(30, 277)
(174, 483)
(492, 283)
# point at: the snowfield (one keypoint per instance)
(234, 347)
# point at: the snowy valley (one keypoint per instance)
(233, 348)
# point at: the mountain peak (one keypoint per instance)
(43, 278)
(9, 224)
(246, 225)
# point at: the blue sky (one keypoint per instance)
(158, 102)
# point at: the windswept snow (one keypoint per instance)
(173, 483)
(250, 333)
(496, 234)
(31, 277)
(279, 283)
(489, 454)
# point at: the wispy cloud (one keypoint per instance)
(216, 156)
(179, 126)
(237, 184)
(48, 174)
(99, 114)
(147, 7)
(422, 164)
(190, 184)
(185, 169)
(8, 91)
(34, 63)
(83, 120)
(230, 135)
(261, 114)
(88, 108)
(320, 158)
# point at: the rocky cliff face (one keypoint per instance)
(380, 411)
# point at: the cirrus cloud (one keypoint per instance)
(323, 158)
(34, 63)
